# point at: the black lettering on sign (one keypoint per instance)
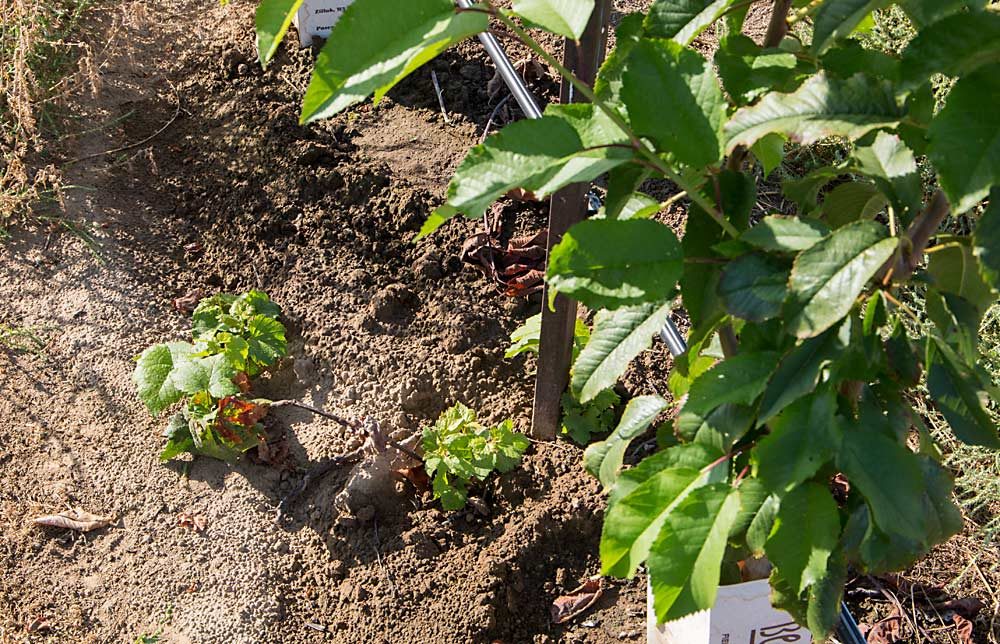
(787, 632)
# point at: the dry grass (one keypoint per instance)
(36, 67)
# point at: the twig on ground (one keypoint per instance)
(493, 115)
(437, 90)
(177, 112)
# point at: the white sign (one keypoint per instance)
(742, 615)
(317, 18)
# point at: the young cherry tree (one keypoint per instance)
(819, 372)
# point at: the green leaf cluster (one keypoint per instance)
(459, 450)
(799, 365)
(234, 338)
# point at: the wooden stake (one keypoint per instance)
(567, 207)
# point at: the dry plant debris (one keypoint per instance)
(74, 519)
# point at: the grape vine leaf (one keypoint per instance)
(265, 339)
(829, 276)
(823, 106)
(152, 375)
(805, 533)
(607, 263)
(684, 561)
(964, 140)
(803, 437)
(604, 459)
(642, 499)
(683, 20)
(661, 72)
(213, 374)
(955, 46)
(564, 17)
(618, 337)
(836, 19)
(377, 43)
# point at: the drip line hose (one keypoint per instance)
(847, 628)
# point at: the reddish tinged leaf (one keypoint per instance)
(417, 476)
(527, 284)
(240, 412)
(188, 303)
(192, 521)
(887, 631)
(963, 629)
(573, 604)
(242, 380)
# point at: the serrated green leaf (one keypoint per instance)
(837, 19)
(828, 277)
(803, 438)
(986, 241)
(804, 191)
(760, 527)
(376, 44)
(805, 533)
(850, 57)
(265, 339)
(607, 263)
(753, 494)
(684, 561)
(724, 426)
(272, 20)
(964, 139)
(954, 270)
(748, 71)
(178, 435)
(799, 372)
(893, 167)
(539, 155)
(823, 106)
(452, 494)
(770, 152)
(754, 286)
(619, 336)
(661, 72)
(960, 396)
(152, 375)
(213, 374)
(683, 20)
(739, 379)
(643, 498)
(580, 422)
(852, 201)
(826, 596)
(925, 12)
(603, 460)
(954, 46)
(623, 182)
(889, 476)
(564, 17)
(785, 234)
(608, 84)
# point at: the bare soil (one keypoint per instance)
(230, 193)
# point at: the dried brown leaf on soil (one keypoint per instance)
(963, 629)
(192, 521)
(888, 630)
(74, 519)
(189, 302)
(577, 601)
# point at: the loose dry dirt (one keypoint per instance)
(230, 194)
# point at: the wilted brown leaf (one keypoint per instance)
(74, 519)
(963, 629)
(887, 631)
(574, 603)
(192, 521)
(188, 303)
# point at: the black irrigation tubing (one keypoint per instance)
(847, 628)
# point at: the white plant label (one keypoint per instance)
(742, 615)
(317, 18)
